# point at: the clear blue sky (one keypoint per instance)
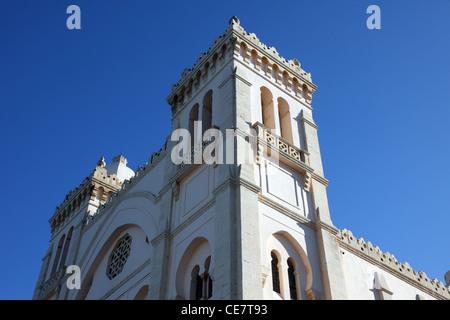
(68, 97)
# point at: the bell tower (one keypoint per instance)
(232, 206)
(242, 85)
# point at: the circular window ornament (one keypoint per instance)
(119, 256)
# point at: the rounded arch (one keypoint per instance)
(285, 78)
(305, 92)
(287, 247)
(275, 71)
(99, 194)
(275, 265)
(254, 58)
(268, 115)
(223, 51)
(295, 84)
(66, 247)
(97, 269)
(293, 279)
(132, 211)
(243, 50)
(264, 64)
(196, 260)
(284, 114)
(58, 254)
(193, 121)
(207, 110)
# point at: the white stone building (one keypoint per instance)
(256, 225)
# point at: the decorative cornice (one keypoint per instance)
(386, 261)
(241, 43)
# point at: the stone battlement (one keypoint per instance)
(389, 262)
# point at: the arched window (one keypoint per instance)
(196, 284)
(292, 275)
(207, 111)
(223, 52)
(66, 248)
(99, 195)
(58, 254)
(305, 91)
(254, 58)
(275, 273)
(291, 269)
(201, 284)
(285, 79)
(264, 64)
(295, 85)
(207, 280)
(243, 50)
(108, 195)
(267, 108)
(193, 122)
(194, 278)
(275, 71)
(285, 120)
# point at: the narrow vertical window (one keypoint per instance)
(207, 111)
(195, 284)
(198, 287)
(275, 273)
(58, 254)
(292, 275)
(285, 120)
(305, 92)
(66, 248)
(207, 279)
(267, 108)
(193, 124)
(254, 58)
(264, 64)
(243, 50)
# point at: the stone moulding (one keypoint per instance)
(388, 262)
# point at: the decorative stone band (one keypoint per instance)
(389, 263)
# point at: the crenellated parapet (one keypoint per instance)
(73, 200)
(93, 191)
(366, 250)
(236, 42)
(264, 59)
(124, 187)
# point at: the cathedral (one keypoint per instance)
(233, 206)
